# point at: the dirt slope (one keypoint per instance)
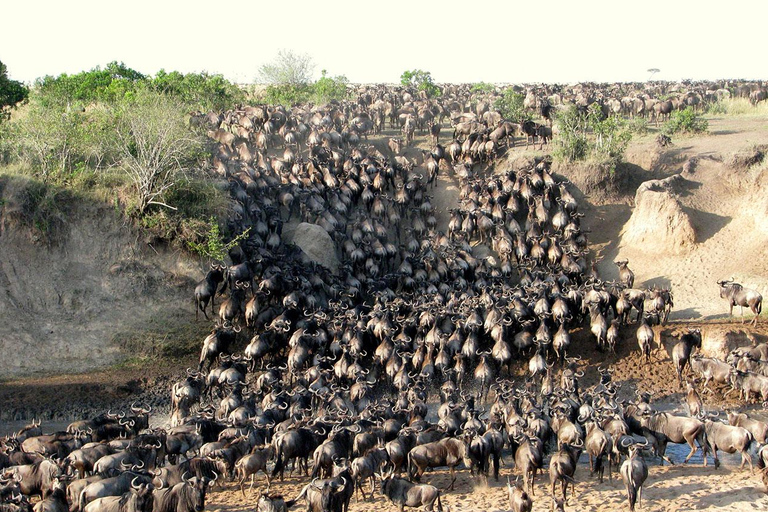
(79, 297)
(729, 237)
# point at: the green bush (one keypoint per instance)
(585, 134)
(330, 88)
(638, 126)
(511, 107)
(685, 121)
(420, 80)
(483, 87)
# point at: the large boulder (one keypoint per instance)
(658, 223)
(317, 244)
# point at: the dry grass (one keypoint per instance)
(739, 107)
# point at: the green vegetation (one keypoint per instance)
(117, 82)
(12, 92)
(121, 137)
(685, 121)
(213, 246)
(589, 135)
(420, 80)
(510, 106)
(323, 91)
(483, 87)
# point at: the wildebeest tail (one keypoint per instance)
(411, 466)
(279, 463)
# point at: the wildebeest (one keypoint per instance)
(634, 471)
(710, 369)
(446, 452)
(56, 501)
(252, 463)
(206, 289)
(681, 352)
(737, 295)
(519, 501)
(138, 499)
(729, 439)
(323, 495)
(34, 479)
(759, 429)
(272, 503)
(403, 493)
(665, 428)
(114, 486)
(186, 496)
(562, 466)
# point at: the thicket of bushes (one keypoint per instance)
(124, 137)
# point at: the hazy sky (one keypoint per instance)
(469, 41)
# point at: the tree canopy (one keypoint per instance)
(288, 68)
(12, 92)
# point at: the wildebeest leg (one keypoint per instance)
(453, 477)
(746, 457)
(691, 443)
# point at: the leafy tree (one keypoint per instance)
(154, 146)
(421, 80)
(206, 92)
(47, 139)
(288, 67)
(110, 84)
(12, 92)
(511, 106)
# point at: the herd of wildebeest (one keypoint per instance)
(411, 355)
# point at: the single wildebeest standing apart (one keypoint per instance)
(681, 352)
(737, 295)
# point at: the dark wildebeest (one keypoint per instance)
(206, 289)
(681, 352)
(737, 295)
(634, 471)
(56, 501)
(403, 493)
(562, 466)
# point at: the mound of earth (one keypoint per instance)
(658, 224)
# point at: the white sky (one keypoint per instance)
(470, 41)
